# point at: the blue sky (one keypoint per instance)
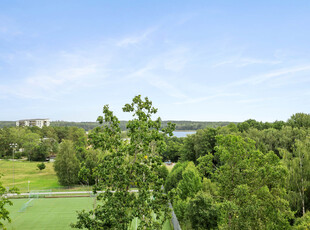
(196, 60)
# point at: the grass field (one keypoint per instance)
(39, 180)
(27, 171)
(50, 214)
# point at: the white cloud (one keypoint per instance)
(176, 60)
(267, 76)
(250, 101)
(49, 79)
(135, 39)
(201, 99)
(245, 61)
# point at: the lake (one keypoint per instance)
(183, 133)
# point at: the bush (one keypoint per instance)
(41, 166)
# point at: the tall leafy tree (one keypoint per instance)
(199, 144)
(135, 163)
(298, 179)
(250, 186)
(299, 120)
(67, 165)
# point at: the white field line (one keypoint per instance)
(60, 193)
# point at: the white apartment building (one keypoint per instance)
(33, 122)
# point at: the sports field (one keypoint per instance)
(49, 213)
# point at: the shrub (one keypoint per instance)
(41, 166)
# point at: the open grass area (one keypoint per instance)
(53, 213)
(25, 171)
(50, 214)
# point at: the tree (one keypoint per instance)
(31, 142)
(251, 186)
(299, 120)
(126, 164)
(187, 188)
(173, 150)
(66, 164)
(298, 179)
(190, 183)
(199, 144)
(4, 213)
(175, 176)
(40, 152)
(203, 212)
(87, 173)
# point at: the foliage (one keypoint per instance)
(42, 150)
(205, 165)
(4, 213)
(299, 120)
(163, 172)
(173, 150)
(303, 222)
(190, 183)
(298, 179)
(199, 144)
(175, 176)
(87, 172)
(203, 212)
(251, 184)
(187, 188)
(129, 163)
(41, 166)
(66, 164)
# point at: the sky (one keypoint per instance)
(195, 60)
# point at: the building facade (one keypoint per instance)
(33, 122)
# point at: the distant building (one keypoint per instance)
(33, 122)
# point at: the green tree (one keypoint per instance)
(174, 148)
(66, 164)
(190, 183)
(199, 144)
(203, 212)
(129, 163)
(40, 152)
(298, 179)
(251, 185)
(4, 213)
(187, 188)
(299, 120)
(175, 176)
(87, 173)
(31, 142)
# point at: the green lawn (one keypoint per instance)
(50, 213)
(27, 171)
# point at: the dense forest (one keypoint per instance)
(180, 125)
(244, 176)
(248, 175)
